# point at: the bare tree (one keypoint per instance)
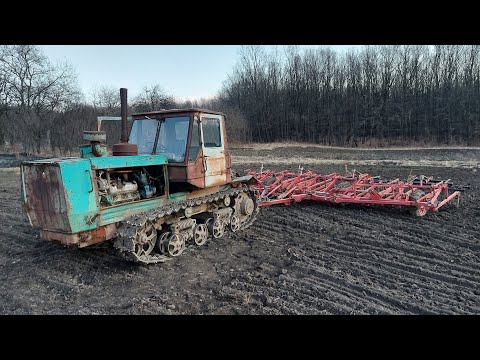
(35, 91)
(106, 99)
(152, 98)
(3, 101)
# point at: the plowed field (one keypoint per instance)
(306, 258)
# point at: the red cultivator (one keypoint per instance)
(285, 187)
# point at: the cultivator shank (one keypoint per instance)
(285, 187)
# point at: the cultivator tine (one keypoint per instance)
(422, 192)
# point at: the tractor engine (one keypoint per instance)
(119, 186)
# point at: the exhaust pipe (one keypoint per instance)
(123, 107)
(124, 148)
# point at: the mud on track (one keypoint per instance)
(305, 258)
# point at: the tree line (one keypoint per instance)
(408, 94)
(399, 94)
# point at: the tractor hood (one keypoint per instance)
(61, 194)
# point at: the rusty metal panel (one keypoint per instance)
(192, 173)
(197, 181)
(45, 200)
(215, 163)
(81, 239)
(98, 235)
(66, 239)
(60, 194)
(216, 173)
(196, 171)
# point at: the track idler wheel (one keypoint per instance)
(234, 223)
(247, 206)
(200, 234)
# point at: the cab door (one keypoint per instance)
(213, 146)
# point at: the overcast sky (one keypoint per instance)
(184, 71)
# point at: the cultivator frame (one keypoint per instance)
(285, 187)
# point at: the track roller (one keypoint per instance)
(234, 223)
(175, 245)
(200, 234)
(217, 229)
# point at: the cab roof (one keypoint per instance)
(176, 111)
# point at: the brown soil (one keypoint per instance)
(306, 258)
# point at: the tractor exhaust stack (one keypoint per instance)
(123, 107)
(124, 148)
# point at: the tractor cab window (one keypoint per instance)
(143, 134)
(172, 139)
(211, 132)
(195, 142)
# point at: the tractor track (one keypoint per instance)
(304, 258)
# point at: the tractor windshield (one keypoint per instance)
(172, 138)
(143, 134)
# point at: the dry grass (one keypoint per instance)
(297, 160)
(293, 144)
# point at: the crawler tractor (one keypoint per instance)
(168, 184)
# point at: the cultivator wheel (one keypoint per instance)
(421, 211)
(200, 234)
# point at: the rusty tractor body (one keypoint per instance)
(167, 185)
